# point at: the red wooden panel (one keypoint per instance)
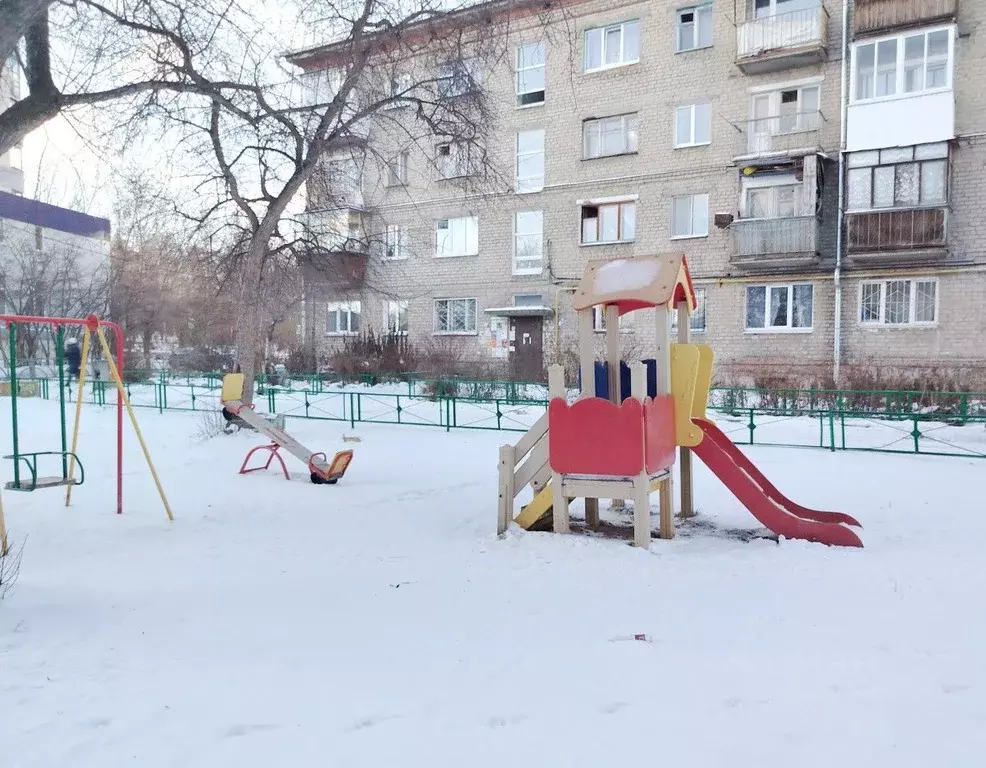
(596, 437)
(659, 437)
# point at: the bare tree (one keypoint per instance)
(266, 131)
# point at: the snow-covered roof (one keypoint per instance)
(636, 283)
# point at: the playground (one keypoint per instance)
(350, 602)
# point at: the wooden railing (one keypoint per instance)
(525, 463)
(878, 15)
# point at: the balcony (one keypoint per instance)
(884, 15)
(772, 245)
(914, 235)
(792, 135)
(782, 40)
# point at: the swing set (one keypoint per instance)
(26, 477)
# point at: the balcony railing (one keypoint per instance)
(897, 230)
(781, 34)
(880, 15)
(794, 237)
(780, 134)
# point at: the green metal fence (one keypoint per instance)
(932, 423)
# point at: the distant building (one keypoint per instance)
(11, 164)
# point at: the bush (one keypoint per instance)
(370, 358)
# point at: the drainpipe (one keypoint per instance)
(837, 275)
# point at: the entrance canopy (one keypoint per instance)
(637, 283)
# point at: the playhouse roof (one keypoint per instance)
(637, 283)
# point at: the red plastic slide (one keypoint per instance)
(761, 497)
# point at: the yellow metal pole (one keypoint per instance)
(115, 373)
(86, 339)
(4, 544)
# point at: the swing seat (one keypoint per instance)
(37, 483)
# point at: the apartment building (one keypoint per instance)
(11, 163)
(633, 128)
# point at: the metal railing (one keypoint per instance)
(782, 31)
(897, 229)
(774, 237)
(777, 134)
(893, 421)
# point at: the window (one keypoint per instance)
(528, 300)
(395, 316)
(690, 216)
(697, 320)
(398, 85)
(453, 160)
(528, 243)
(457, 237)
(901, 65)
(784, 111)
(397, 170)
(607, 136)
(342, 317)
(455, 316)
(901, 177)
(529, 165)
(609, 222)
(778, 201)
(611, 46)
(693, 125)
(599, 320)
(530, 74)
(779, 307)
(456, 78)
(898, 302)
(694, 28)
(395, 242)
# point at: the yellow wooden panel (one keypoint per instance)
(232, 387)
(684, 374)
(706, 362)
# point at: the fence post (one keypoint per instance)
(448, 414)
(271, 400)
(832, 429)
(352, 409)
(752, 426)
(399, 409)
(498, 415)
(842, 419)
(916, 434)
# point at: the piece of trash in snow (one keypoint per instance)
(640, 637)
(399, 584)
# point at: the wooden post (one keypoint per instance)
(505, 508)
(685, 454)
(559, 506)
(613, 363)
(664, 388)
(641, 483)
(587, 353)
(556, 381)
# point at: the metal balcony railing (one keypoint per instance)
(780, 134)
(774, 237)
(898, 229)
(782, 31)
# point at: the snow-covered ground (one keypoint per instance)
(380, 622)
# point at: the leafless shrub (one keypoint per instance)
(10, 569)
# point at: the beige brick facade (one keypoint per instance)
(652, 88)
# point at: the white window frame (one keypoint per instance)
(912, 291)
(392, 310)
(458, 77)
(693, 112)
(623, 62)
(528, 270)
(772, 185)
(599, 320)
(343, 309)
(859, 161)
(700, 10)
(621, 218)
(539, 299)
(899, 92)
(767, 328)
(700, 313)
(520, 68)
(395, 239)
(457, 164)
(471, 241)
(629, 130)
(534, 182)
(449, 301)
(700, 196)
(397, 170)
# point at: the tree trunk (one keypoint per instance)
(248, 323)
